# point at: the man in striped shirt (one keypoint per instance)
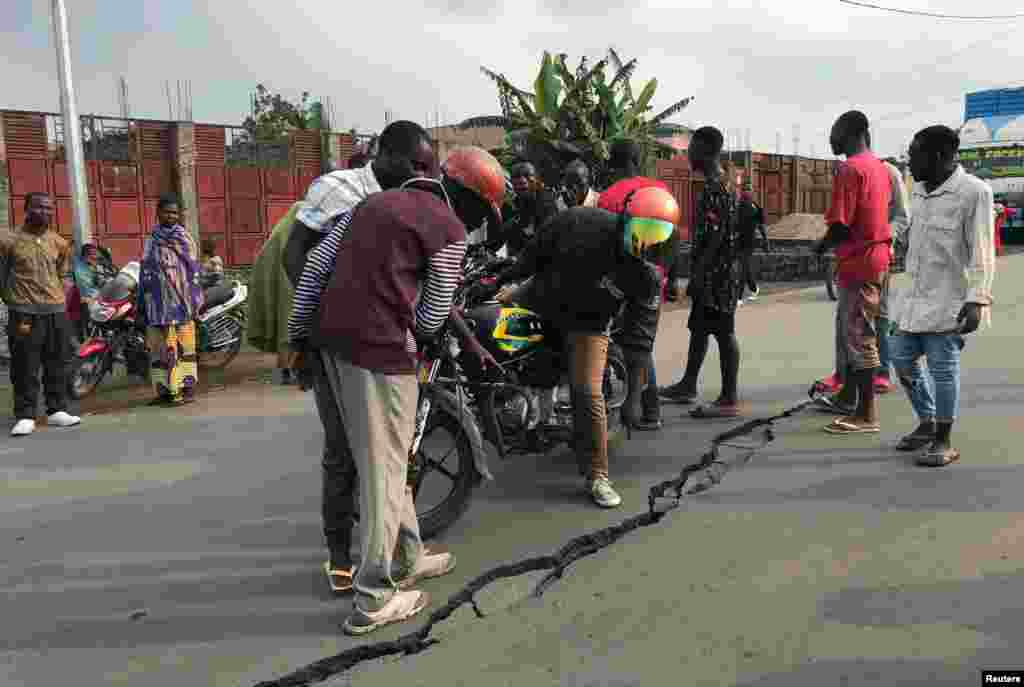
(395, 271)
(317, 273)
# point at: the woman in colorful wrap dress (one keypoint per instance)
(170, 298)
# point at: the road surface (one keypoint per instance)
(183, 548)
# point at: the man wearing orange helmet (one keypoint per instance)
(394, 276)
(586, 263)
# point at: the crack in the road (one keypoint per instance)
(710, 470)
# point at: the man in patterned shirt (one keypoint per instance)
(715, 282)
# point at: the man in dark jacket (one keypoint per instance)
(750, 221)
(535, 205)
(585, 264)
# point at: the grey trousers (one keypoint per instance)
(338, 501)
(379, 414)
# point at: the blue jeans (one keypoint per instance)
(884, 355)
(934, 393)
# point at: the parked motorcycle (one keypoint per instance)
(118, 337)
(525, 408)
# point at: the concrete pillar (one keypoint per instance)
(5, 183)
(334, 154)
(184, 160)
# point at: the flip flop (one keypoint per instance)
(340, 580)
(715, 411)
(844, 426)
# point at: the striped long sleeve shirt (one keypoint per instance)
(443, 273)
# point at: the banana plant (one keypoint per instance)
(577, 112)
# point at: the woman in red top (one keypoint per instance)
(1001, 214)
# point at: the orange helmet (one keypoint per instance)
(480, 172)
(650, 219)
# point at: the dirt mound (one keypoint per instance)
(799, 226)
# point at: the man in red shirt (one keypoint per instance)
(858, 230)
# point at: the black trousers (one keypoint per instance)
(338, 507)
(38, 340)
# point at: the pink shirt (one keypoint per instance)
(860, 200)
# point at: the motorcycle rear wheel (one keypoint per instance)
(616, 379)
(831, 284)
(217, 360)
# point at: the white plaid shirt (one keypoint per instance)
(335, 193)
(951, 257)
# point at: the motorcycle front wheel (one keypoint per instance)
(442, 474)
(86, 374)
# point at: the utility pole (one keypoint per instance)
(81, 226)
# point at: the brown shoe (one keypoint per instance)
(716, 410)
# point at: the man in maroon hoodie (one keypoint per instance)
(395, 273)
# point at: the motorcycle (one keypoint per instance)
(526, 407)
(118, 336)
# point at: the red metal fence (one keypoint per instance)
(243, 187)
(781, 184)
(129, 164)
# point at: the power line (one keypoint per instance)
(934, 15)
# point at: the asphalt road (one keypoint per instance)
(155, 548)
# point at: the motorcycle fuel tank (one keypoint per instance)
(506, 331)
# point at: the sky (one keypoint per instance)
(765, 67)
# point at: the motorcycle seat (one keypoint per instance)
(218, 295)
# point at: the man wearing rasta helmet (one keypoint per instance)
(613, 199)
(407, 244)
(586, 262)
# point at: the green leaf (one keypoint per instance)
(568, 78)
(669, 111)
(641, 104)
(547, 88)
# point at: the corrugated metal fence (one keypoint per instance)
(242, 186)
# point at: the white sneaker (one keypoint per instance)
(427, 567)
(22, 428)
(402, 606)
(753, 295)
(603, 494)
(62, 419)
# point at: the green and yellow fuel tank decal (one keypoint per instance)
(516, 329)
